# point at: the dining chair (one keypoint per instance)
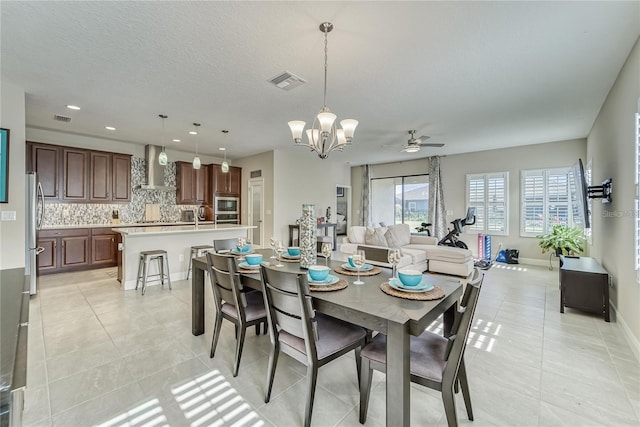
(224, 245)
(436, 362)
(296, 329)
(240, 308)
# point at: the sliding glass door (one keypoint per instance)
(400, 200)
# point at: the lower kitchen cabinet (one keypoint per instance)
(76, 249)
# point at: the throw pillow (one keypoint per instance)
(399, 234)
(375, 237)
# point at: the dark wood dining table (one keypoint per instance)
(365, 305)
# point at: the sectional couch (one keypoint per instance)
(419, 252)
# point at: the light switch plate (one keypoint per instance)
(8, 215)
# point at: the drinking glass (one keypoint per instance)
(393, 257)
(241, 243)
(279, 250)
(272, 242)
(326, 251)
(359, 261)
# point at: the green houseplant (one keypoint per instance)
(562, 240)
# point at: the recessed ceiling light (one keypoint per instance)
(73, 107)
(222, 149)
(193, 132)
(175, 140)
(109, 128)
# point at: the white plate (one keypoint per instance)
(365, 267)
(423, 286)
(330, 280)
(236, 252)
(248, 266)
(287, 256)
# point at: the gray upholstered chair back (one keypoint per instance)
(225, 281)
(289, 305)
(461, 326)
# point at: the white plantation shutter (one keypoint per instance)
(488, 193)
(545, 200)
(637, 204)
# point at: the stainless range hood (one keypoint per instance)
(155, 172)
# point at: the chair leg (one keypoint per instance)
(448, 399)
(239, 345)
(264, 328)
(365, 388)
(189, 266)
(312, 378)
(271, 371)
(257, 328)
(358, 365)
(216, 334)
(168, 273)
(464, 385)
(145, 271)
(160, 262)
(139, 276)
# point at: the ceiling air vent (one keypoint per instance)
(60, 118)
(287, 81)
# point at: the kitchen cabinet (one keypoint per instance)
(45, 161)
(75, 172)
(103, 247)
(192, 184)
(226, 184)
(100, 179)
(121, 174)
(74, 175)
(74, 251)
(48, 259)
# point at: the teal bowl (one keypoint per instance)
(293, 251)
(351, 263)
(319, 272)
(410, 277)
(245, 248)
(253, 259)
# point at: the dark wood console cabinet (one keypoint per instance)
(584, 285)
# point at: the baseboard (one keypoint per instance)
(631, 339)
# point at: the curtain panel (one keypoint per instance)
(366, 195)
(437, 211)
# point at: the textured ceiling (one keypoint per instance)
(474, 75)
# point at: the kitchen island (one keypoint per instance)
(176, 240)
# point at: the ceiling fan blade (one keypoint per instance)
(432, 144)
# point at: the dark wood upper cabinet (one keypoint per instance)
(77, 175)
(202, 185)
(45, 162)
(100, 179)
(121, 178)
(235, 180)
(226, 184)
(74, 173)
(192, 184)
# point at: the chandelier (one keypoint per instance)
(324, 137)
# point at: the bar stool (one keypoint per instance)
(197, 251)
(143, 267)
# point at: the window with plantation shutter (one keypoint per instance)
(488, 193)
(545, 200)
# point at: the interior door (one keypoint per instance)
(256, 210)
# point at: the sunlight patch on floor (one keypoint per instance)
(139, 416)
(510, 267)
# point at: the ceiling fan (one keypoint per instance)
(414, 144)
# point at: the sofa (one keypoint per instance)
(418, 252)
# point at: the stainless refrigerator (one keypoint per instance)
(34, 221)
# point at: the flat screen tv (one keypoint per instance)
(579, 195)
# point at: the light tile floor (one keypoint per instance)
(101, 356)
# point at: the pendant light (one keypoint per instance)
(324, 136)
(162, 157)
(225, 165)
(196, 159)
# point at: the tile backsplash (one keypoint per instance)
(94, 213)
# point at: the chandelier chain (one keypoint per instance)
(326, 50)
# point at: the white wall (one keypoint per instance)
(264, 163)
(12, 233)
(610, 146)
(301, 177)
(454, 169)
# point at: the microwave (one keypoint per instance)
(227, 205)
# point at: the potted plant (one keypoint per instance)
(562, 240)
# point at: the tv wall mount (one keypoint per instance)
(601, 191)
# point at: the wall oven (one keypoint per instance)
(227, 210)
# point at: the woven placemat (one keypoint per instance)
(435, 293)
(375, 270)
(340, 284)
(283, 259)
(248, 270)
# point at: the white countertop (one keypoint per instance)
(180, 229)
(133, 224)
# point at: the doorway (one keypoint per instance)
(256, 211)
(343, 209)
